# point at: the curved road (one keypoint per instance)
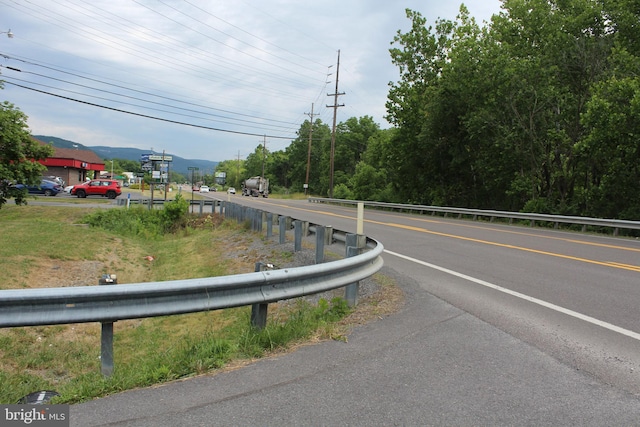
(503, 325)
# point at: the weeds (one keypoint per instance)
(66, 358)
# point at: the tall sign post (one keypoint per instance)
(192, 169)
(147, 166)
(149, 163)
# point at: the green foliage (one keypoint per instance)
(533, 111)
(174, 214)
(537, 109)
(135, 221)
(341, 191)
(19, 154)
(158, 354)
(235, 170)
(257, 162)
(140, 221)
(304, 320)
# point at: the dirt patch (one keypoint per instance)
(57, 273)
(378, 296)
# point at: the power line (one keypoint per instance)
(145, 115)
(141, 92)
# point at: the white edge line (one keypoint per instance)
(540, 302)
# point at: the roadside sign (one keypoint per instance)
(156, 157)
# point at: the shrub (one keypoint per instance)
(174, 214)
(141, 221)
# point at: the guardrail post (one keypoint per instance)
(351, 290)
(106, 334)
(224, 209)
(328, 235)
(320, 244)
(269, 225)
(297, 230)
(259, 311)
(201, 207)
(259, 218)
(282, 222)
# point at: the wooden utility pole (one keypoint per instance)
(238, 172)
(333, 130)
(264, 152)
(306, 182)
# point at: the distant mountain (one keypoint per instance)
(178, 164)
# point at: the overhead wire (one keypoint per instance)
(144, 53)
(228, 35)
(118, 21)
(102, 37)
(252, 125)
(128, 89)
(146, 115)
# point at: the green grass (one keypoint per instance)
(40, 241)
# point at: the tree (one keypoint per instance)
(610, 152)
(256, 162)
(278, 170)
(372, 180)
(297, 154)
(504, 116)
(19, 154)
(234, 170)
(415, 157)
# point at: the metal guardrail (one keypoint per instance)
(108, 304)
(50, 306)
(616, 224)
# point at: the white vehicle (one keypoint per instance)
(204, 189)
(231, 190)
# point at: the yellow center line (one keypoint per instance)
(521, 233)
(611, 264)
(520, 248)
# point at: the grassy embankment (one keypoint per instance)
(48, 246)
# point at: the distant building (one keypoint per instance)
(72, 165)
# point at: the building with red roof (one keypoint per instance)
(72, 165)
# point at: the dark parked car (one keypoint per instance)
(48, 188)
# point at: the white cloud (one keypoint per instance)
(250, 67)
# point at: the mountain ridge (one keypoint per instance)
(178, 164)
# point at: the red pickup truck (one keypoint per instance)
(98, 187)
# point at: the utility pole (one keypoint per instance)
(165, 181)
(306, 182)
(333, 130)
(264, 152)
(238, 173)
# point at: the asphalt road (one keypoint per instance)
(503, 325)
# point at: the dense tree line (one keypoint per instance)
(538, 110)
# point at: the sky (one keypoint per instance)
(201, 79)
